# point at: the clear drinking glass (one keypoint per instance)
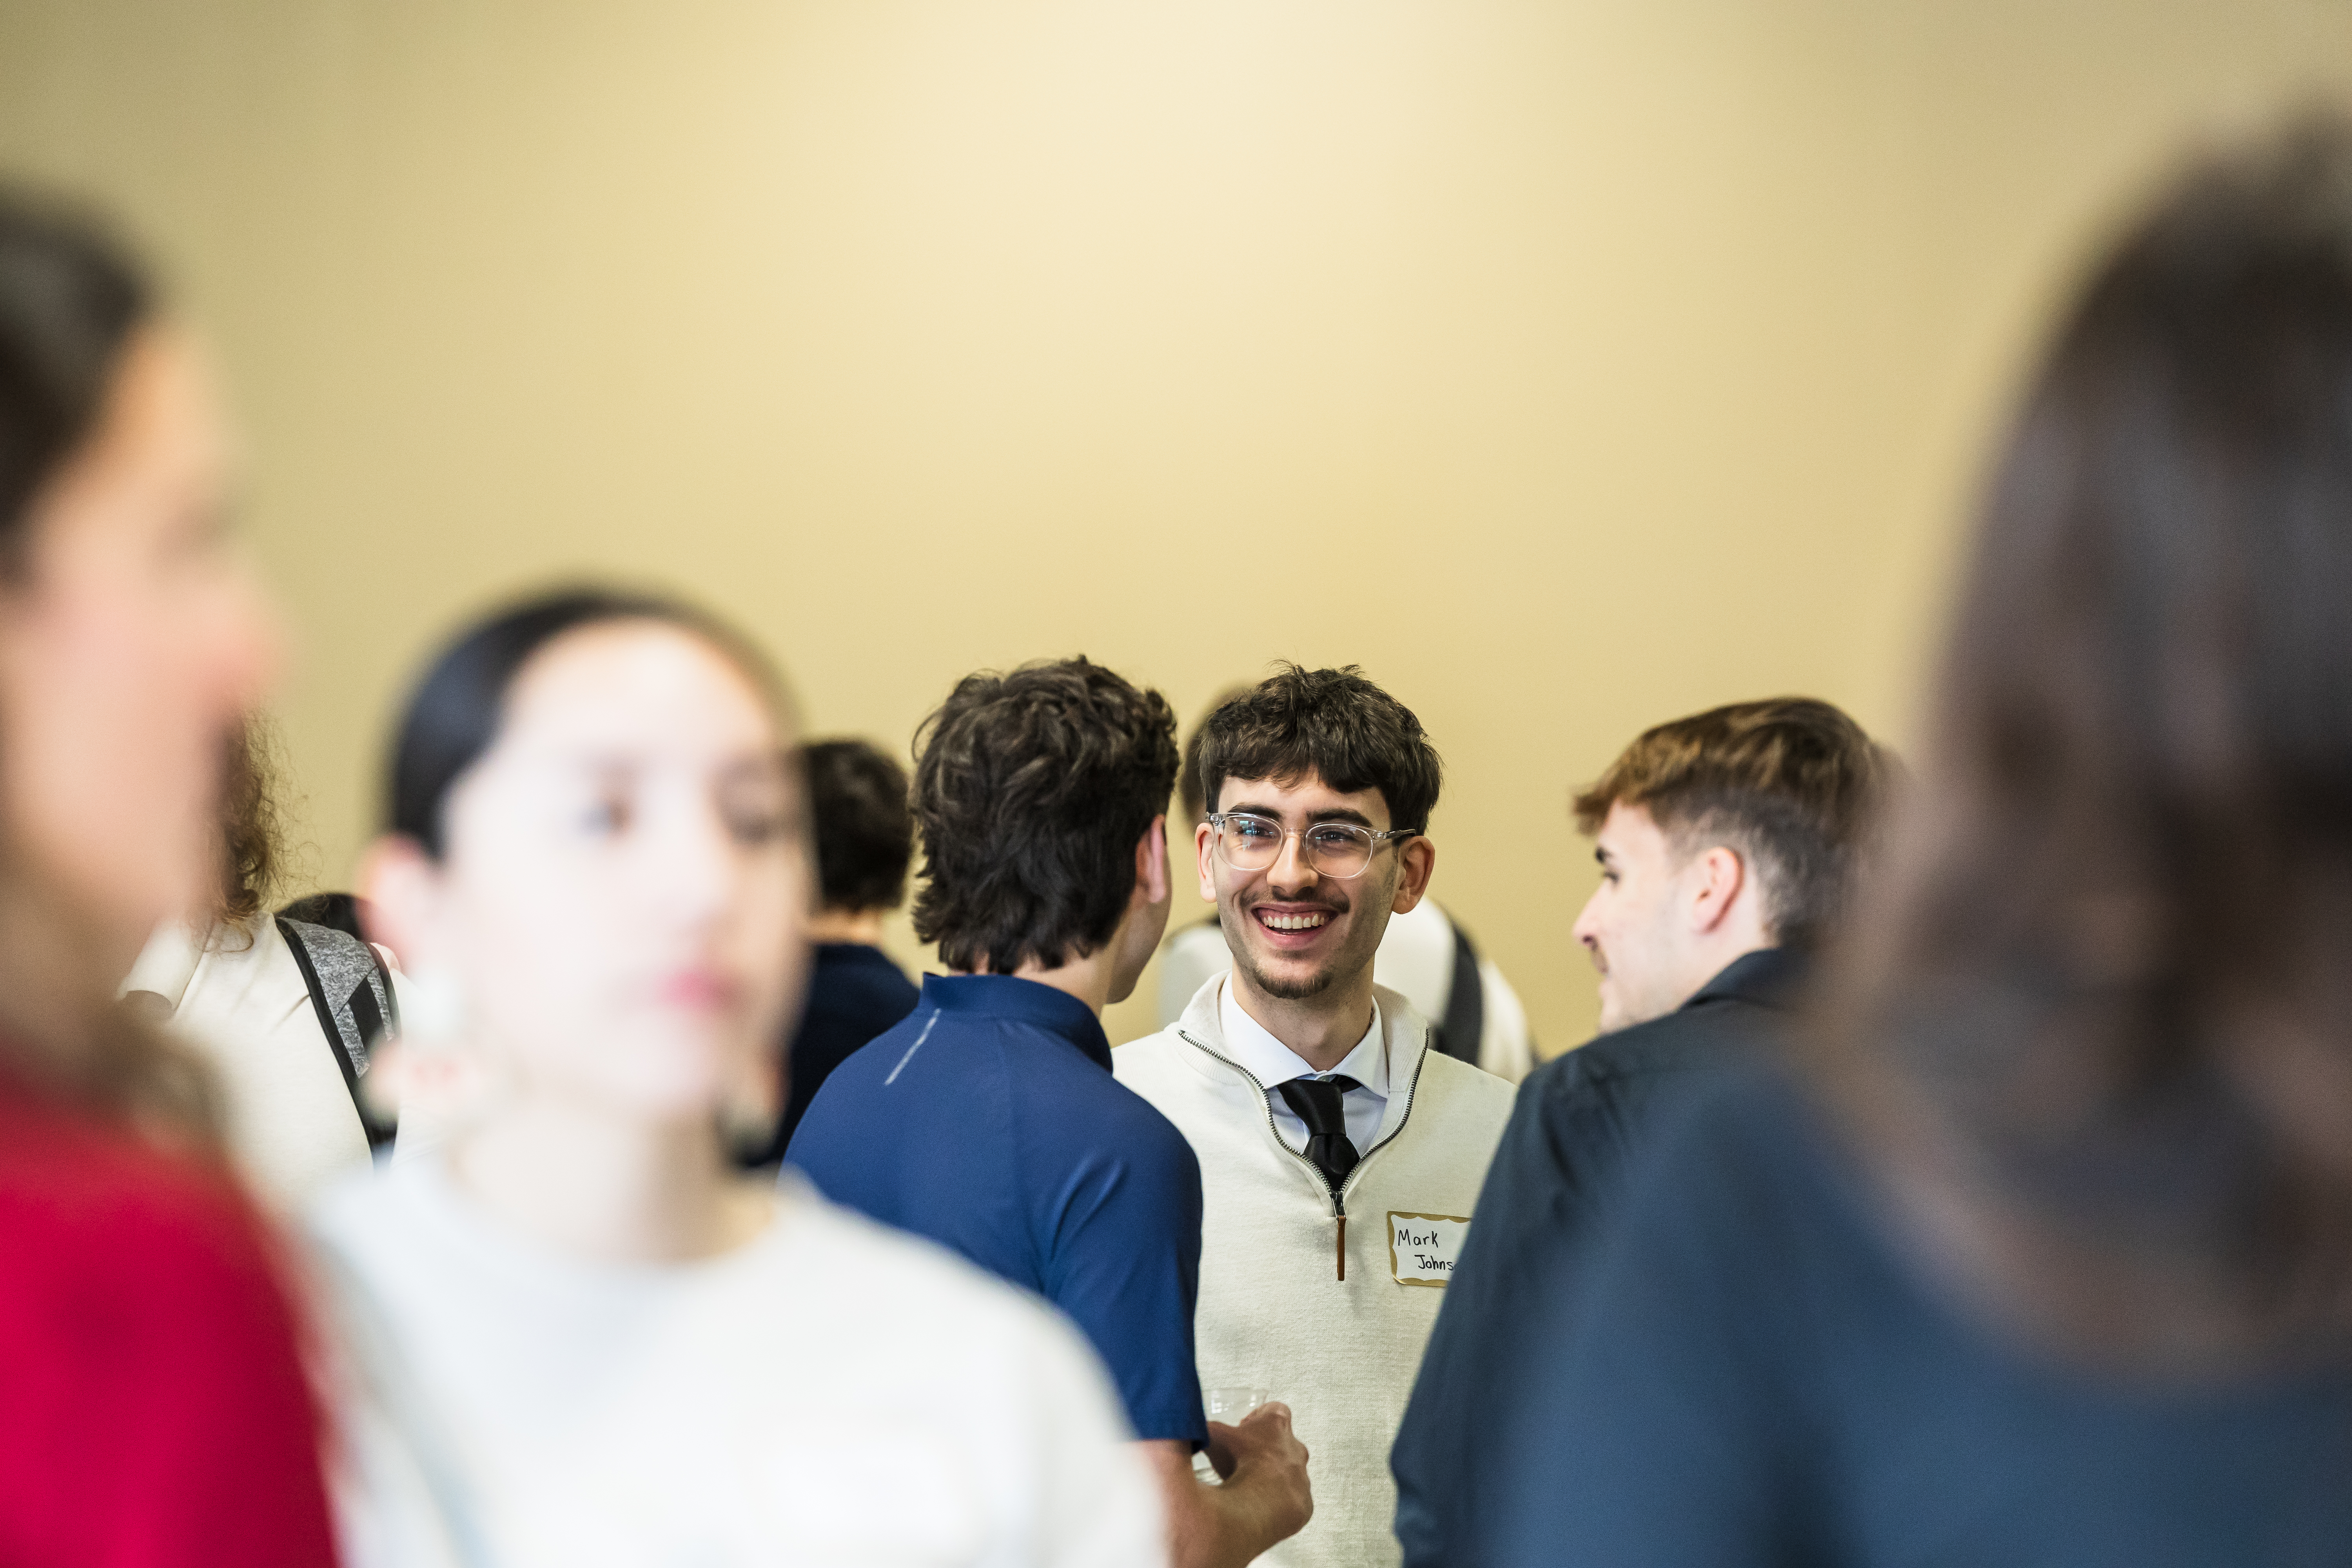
(1230, 1404)
(1227, 1406)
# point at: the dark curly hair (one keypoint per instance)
(1331, 724)
(250, 826)
(864, 823)
(1031, 790)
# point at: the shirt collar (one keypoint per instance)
(1271, 1062)
(1768, 976)
(1024, 1001)
(848, 952)
(167, 963)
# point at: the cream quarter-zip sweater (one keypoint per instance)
(1274, 1311)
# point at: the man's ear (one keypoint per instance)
(401, 888)
(1715, 878)
(1417, 863)
(1151, 870)
(1204, 850)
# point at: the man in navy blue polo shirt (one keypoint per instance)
(989, 1121)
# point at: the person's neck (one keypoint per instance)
(1713, 957)
(863, 927)
(1321, 1029)
(607, 1185)
(1089, 979)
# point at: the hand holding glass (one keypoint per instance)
(1226, 1406)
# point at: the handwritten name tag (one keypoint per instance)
(1422, 1246)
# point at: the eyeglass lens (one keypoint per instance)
(1333, 849)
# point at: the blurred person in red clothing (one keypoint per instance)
(152, 1404)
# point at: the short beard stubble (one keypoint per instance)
(1362, 947)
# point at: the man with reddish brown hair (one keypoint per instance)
(1728, 833)
(1729, 843)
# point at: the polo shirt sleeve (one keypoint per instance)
(1120, 1240)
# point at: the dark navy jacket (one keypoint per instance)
(990, 1122)
(1561, 1164)
(1755, 1370)
(855, 993)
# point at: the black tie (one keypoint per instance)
(1319, 1103)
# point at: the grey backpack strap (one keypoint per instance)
(350, 990)
(1465, 1024)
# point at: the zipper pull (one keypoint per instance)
(1339, 1207)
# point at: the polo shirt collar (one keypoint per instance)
(1023, 1001)
(1271, 1062)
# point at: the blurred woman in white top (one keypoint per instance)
(577, 1337)
(227, 981)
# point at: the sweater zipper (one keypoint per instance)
(1338, 1194)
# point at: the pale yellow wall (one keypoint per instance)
(1578, 363)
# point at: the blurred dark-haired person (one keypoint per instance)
(152, 1403)
(581, 1338)
(1425, 955)
(2046, 1257)
(1729, 843)
(284, 1010)
(990, 1120)
(1312, 1095)
(864, 832)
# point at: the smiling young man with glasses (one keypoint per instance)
(1339, 1156)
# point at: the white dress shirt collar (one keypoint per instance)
(1271, 1062)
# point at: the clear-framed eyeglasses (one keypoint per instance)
(1247, 842)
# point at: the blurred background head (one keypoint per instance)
(131, 641)
(2101, 1025)
(1194, 793)
(597, 865)
(863, 825)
